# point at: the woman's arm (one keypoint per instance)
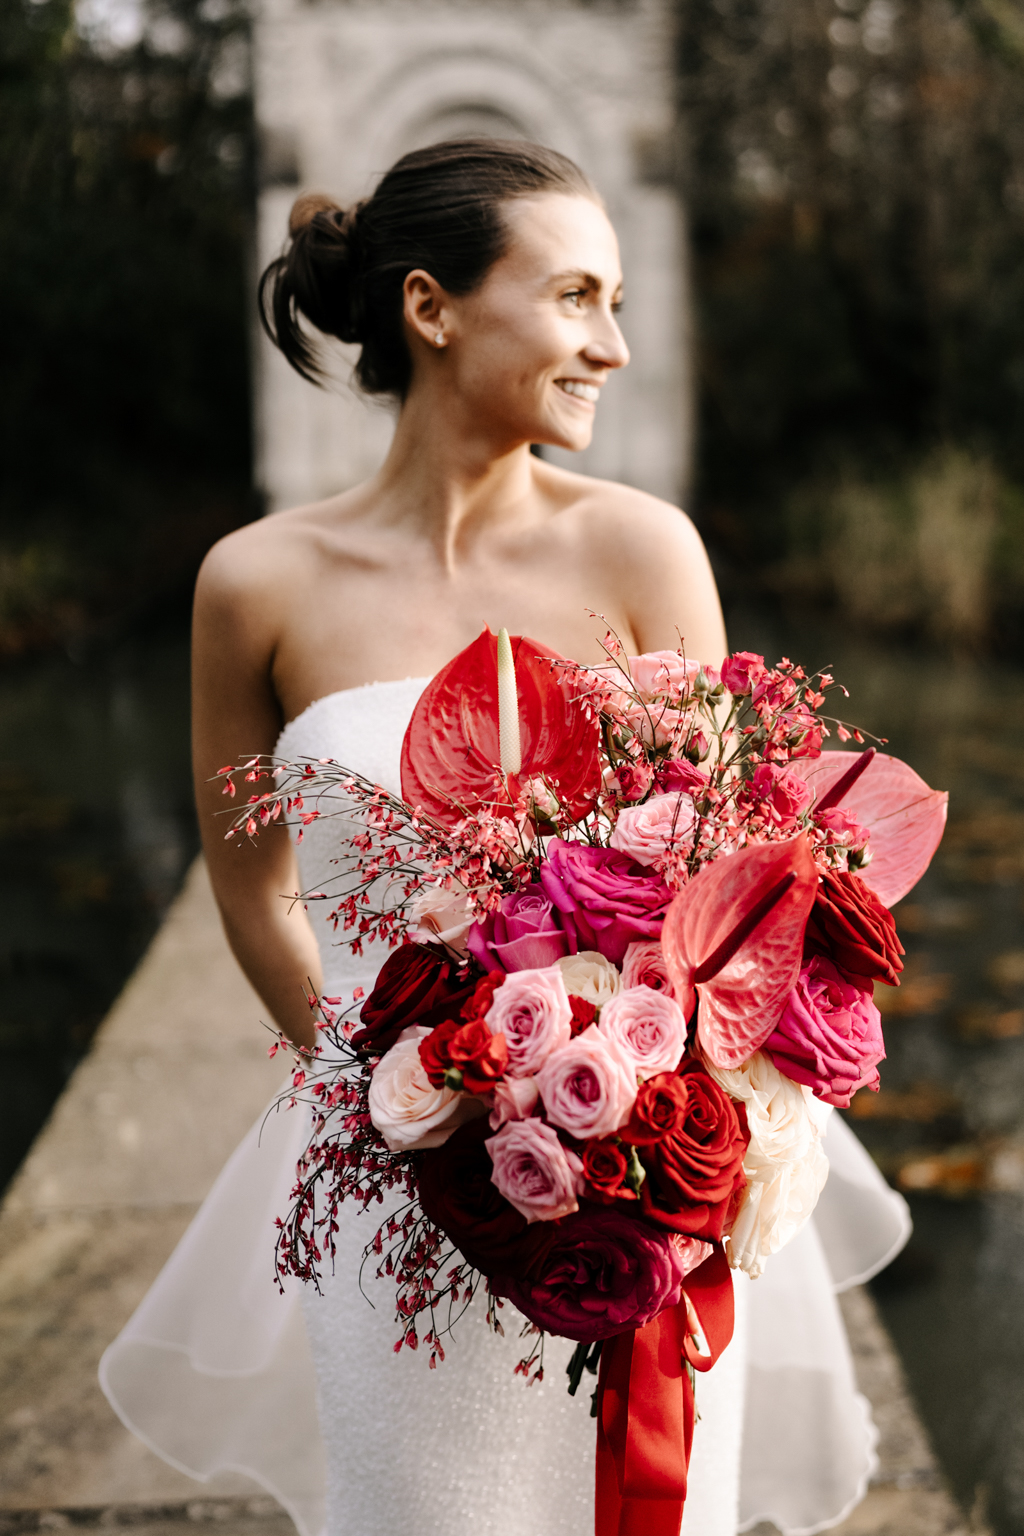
(671, 590)
(235, 715)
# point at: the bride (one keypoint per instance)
(481, 282)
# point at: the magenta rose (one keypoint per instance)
(830, 1034)
(524, 934)
(741, 671)
(532, 1010)
(605, 1273)
(604, 898)
(537, 1175)
(588, 1087)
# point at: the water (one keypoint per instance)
(950, 1117)
(96, 831)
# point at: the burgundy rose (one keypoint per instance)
(417, 984)
(604, 1273)
(606, 901)
(692, 1145)
(469, 1049)
(830, 1034)
(850, 927)
(457, 1194)
(525, 933)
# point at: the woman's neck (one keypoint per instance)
(447, 482)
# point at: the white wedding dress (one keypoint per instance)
(303, 1393)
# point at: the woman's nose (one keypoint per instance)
(608, 346)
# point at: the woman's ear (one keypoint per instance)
(423, 308)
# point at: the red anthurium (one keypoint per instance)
(734, 937)
(451, 753)
(903, 817)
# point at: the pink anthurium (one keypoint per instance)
(734, 938)
(904, 819)
(451, 755)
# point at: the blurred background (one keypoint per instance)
(822, 211)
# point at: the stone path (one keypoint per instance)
(109, 1186)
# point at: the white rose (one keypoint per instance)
(404, 1107)
(645, 832)
(589, 975)
(437, 916)
(785, 1164)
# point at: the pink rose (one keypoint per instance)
(830, 1034)
(634, 779)
(534, 1172)
(532, 1010)
(842, 829)
(649, 1028)
(605, 1273)
(741, 671)
(605, 899)
(515, 1098)
(645, 832)
(675, 774)
(588, 1086)
(656, 674)
(524, 934)
(784, 793)
(644, 966)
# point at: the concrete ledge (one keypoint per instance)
(110, 1185)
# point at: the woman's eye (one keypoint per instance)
(575, 296)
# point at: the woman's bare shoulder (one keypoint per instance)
(265, 558)
(628, 520)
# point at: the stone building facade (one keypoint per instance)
(343, 87)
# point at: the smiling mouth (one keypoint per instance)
(582, 391)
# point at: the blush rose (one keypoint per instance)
(643, 965)
(407, 1110)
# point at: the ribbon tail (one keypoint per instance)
(646, 1413)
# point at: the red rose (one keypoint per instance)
(692, 1145)
(583, 1015)
(605, 1166)
(457, 1194)
(469, 1049)
(850, 927)
(417, 984)
(483, 996)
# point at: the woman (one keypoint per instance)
(481, 282)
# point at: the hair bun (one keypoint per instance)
(306, 208)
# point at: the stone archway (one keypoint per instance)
(346, 86)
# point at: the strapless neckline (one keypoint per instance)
(339, 693)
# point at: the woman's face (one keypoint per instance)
(530, 349)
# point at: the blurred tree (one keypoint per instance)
(125, 158)
(854, 174)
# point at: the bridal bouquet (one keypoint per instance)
(638, 914)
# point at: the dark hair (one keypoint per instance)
(438, 208)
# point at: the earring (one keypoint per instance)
(439, 339)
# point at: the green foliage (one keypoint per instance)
(124, 398)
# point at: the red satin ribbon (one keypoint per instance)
(645, 1407)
